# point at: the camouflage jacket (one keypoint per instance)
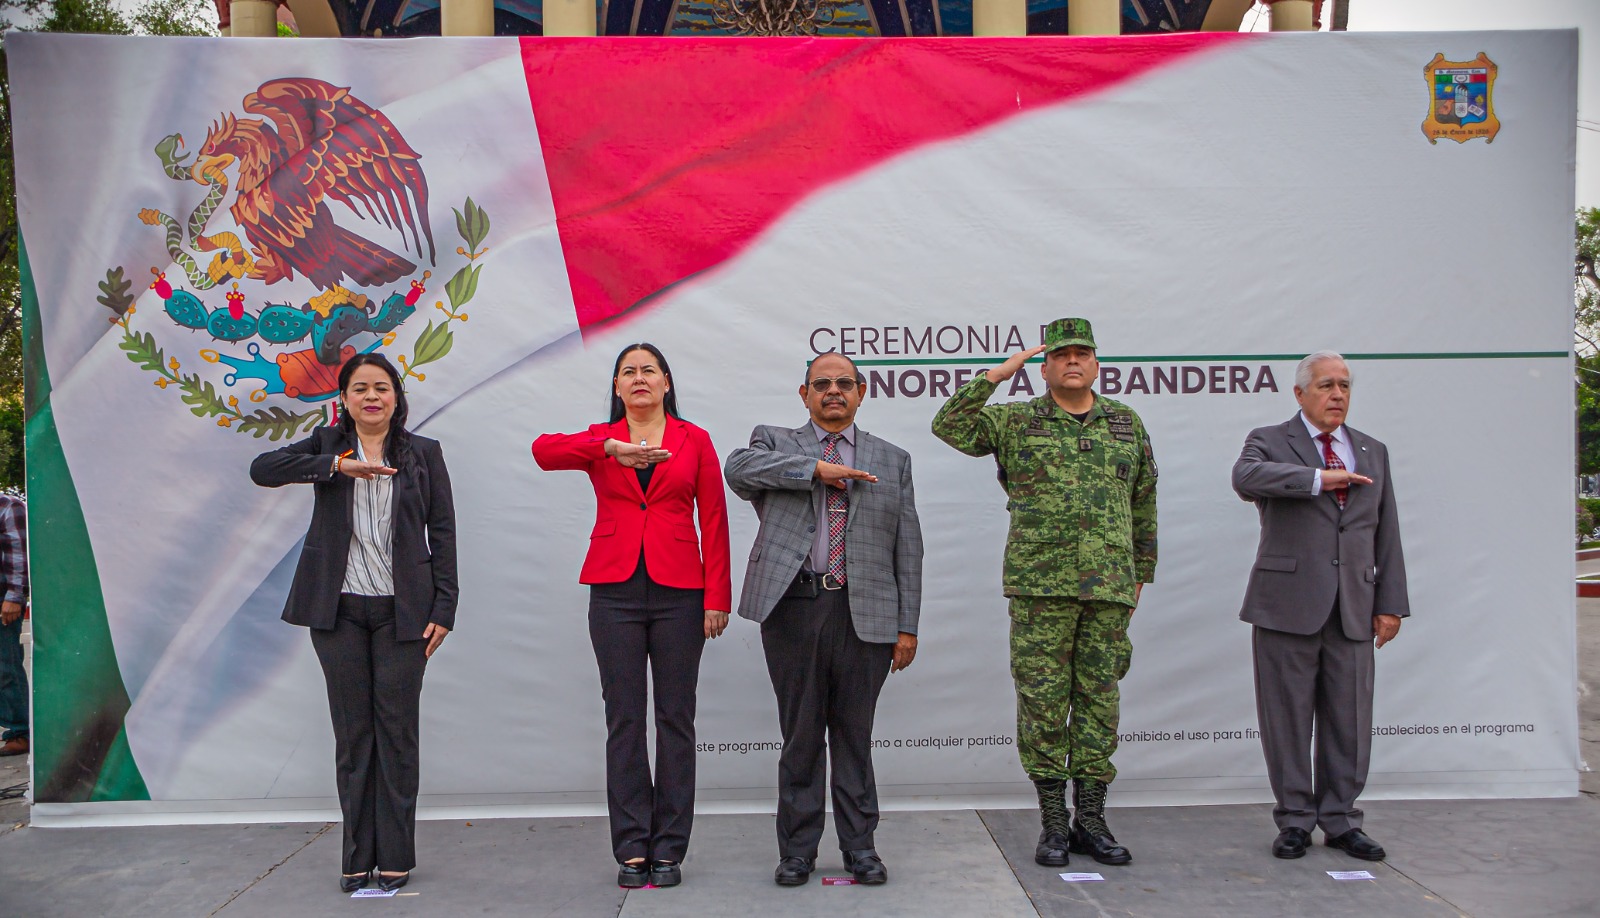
(1082, 496)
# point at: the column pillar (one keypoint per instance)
(1292, 16)
(991, 18)
(466, 17)
(571, 18)
(253, 19)
(1094, 17)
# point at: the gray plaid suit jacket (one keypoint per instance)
(776, 473)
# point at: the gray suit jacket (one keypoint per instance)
(1311, 551)
(776, 473)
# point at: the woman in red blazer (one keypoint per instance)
(653, 594)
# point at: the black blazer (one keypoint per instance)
(424, 532)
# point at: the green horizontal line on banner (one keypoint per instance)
(1212, 358)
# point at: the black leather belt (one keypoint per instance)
(806, 585)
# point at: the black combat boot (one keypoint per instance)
(1090, 834)
(1057, 822)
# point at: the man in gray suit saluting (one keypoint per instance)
(1329, 582)
(835, 579)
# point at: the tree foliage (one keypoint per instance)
(1586, 331)
(175, 17)
(1585, 283)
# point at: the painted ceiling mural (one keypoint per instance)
(859, 18)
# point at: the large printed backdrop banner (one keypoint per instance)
(212, 226)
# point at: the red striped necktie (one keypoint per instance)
(1331, 460)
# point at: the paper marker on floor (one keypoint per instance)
(838, 881)
(1351, 875)
(1083, 877)
(373, 893)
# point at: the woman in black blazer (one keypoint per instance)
(376, 585)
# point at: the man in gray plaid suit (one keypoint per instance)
(835, 579)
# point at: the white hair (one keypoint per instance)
(1302, 373)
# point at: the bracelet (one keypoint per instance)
(337, 461)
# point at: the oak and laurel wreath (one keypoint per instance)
(275, 423)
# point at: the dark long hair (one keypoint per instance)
(397, 443)
(669, 401)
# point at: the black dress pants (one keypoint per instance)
(827, 681)
(374, 694)
(631, 623)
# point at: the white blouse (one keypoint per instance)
(369, 571)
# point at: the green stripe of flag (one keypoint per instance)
(80, 748)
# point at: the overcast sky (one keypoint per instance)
(1457, 15)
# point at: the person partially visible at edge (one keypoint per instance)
(657, 593)
(835, 580)
(1080, 478)
(14, 577)
(376, 584)
(1327, 588)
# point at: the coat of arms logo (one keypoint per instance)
(313, 144)
(1460, 99)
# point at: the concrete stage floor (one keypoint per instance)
(1512, 858)
(1481, 858)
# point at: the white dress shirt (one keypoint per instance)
(369, 571)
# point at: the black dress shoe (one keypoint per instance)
(633, 876)
(1291, 843)
(1051, 850)
(355, 881)
(865, 865)
(665, 873)
(794, 871)
(389, 884)
(1356, 844)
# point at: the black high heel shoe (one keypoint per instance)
(634, 875)
(665, 873)
(350, 882)
(389, 884)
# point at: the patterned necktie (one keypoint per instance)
(838, 504)
(1332, 461)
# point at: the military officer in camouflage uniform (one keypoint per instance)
(1080, 480)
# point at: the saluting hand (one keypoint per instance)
(832, 473)
(1334, 479)
(1013, 363)
(635, 456)
(356, 468)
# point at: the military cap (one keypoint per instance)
(1064, 332)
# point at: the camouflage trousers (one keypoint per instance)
(1067, 656)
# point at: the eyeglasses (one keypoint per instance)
(823, 384)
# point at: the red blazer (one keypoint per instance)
(662, 521)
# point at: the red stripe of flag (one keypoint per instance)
(667, 156)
